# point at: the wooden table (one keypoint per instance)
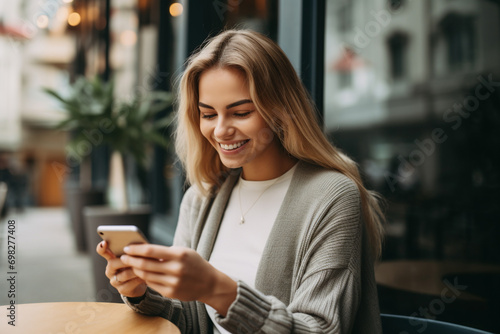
(81, 318)
(426, 277)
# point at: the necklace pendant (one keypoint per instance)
(242, 220)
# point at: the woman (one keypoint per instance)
(277, 233)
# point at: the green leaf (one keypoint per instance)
(91, 102)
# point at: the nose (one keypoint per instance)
(224, 129)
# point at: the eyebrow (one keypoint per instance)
(229, 106)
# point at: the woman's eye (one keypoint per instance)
(208, 116)
(242, 114)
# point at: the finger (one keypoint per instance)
(129, 287)
(119, 279)
(147, 264)
(132, 288)
(115, 283)
(157, 278)
(114, 266)
(153, 251)
(125, 275)
(103, 250)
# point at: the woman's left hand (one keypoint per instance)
(181, 273)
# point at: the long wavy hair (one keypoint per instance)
(280, 97)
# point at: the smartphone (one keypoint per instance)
(120, 236)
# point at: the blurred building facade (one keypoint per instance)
(411, 93)
(47, 44)
(35, 52)
(408, 86)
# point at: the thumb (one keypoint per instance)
(103, 250)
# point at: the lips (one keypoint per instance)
(234, 146)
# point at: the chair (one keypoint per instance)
(397, 324)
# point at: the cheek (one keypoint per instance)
(263, 134)
(205, 130)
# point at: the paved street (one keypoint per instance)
(49, 269)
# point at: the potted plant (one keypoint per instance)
(84, 105)
(127, 127)
(130, 129)
(136, 128)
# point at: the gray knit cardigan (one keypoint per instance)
(316, 272)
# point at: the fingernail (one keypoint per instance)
(126, 249)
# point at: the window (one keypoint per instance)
(458, 31)
(345, 18)
(395, 4)
(397, 44)
(412, 119)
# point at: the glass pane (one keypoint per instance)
(259, 15)
(412, 94)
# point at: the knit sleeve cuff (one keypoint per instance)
(248, 313)
(152, 303)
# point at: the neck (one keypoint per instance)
(272, 170)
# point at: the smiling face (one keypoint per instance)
(230, 122)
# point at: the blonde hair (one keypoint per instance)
(283, 102)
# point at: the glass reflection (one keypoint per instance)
(411, 92)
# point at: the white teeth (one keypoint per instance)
(232, 146)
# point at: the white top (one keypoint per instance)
(238, 247)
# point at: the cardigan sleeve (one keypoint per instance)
(155, 304)
(317, 308)
(327, 293)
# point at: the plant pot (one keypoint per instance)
(76, 200)
(103, 215)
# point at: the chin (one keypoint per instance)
(231, 164)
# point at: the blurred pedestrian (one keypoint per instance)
(18, 185)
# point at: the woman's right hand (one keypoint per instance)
(121, 277)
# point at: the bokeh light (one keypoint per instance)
(42, 21)
(128, 37)
(74, 19)
(176, 9)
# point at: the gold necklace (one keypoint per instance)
(242, 220)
